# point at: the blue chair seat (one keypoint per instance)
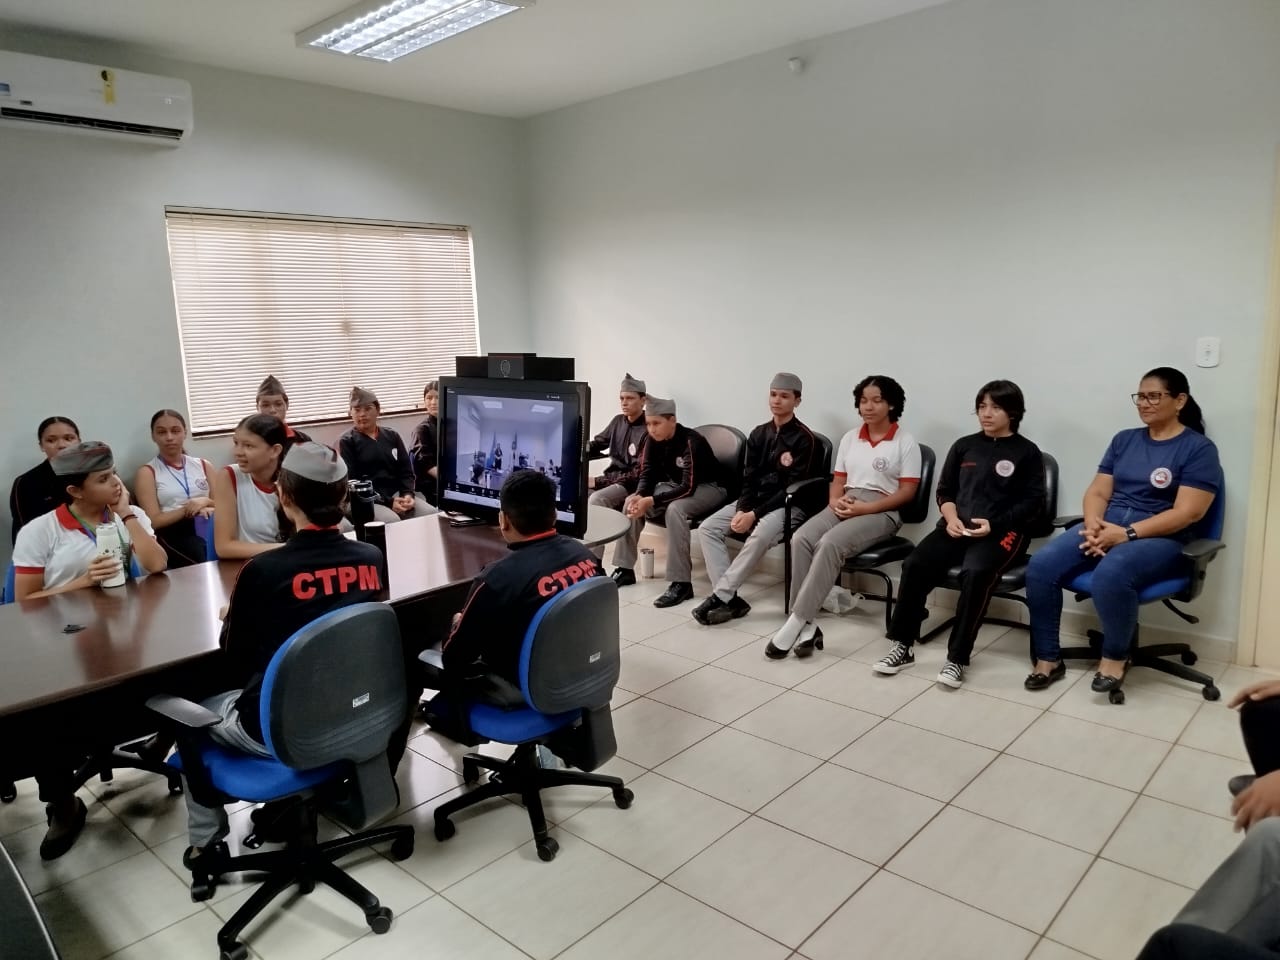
(257, 779)
(1151, 593)
(517, 726)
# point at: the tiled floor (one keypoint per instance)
(803, 809)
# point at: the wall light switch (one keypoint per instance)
(1207, 351)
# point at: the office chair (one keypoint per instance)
(569, 663)
(810, 496)
(729, 446)
(1015, 577)
(204, 530)
(332, 697)
(1184, 587)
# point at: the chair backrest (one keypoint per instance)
(570, 656)
(917, 511)
(6, 596)
(825, 454)
(729, 444)
(1209, 527)
(204, 530)
(1043, 526)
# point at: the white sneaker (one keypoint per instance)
(897, 658)
(952, 675)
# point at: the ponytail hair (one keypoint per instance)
(1175, 381)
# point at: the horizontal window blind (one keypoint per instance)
(323, 305)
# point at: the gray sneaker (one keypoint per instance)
(896, 659)
(951, 675)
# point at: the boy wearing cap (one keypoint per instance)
(377, 454)
(278, 593)
(779, 452)
(679, 481)
(274, 402)
(623, 438)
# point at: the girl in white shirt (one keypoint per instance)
(174, 489)
(247, 521)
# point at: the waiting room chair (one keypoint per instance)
(729, 446)
(569, 664)
(1197, 554)
(810, 496)
(332, 697)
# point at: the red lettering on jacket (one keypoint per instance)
(346, 577)
(363, 577)
(327, 576)
(369, 577)
(547, 586)
(302, 586)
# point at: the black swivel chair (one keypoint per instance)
(810, 496)
(332, 697)
(729, 446)
(1013, 580)
(569, 664)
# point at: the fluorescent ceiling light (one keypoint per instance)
(492, 404)
(381, 30)
(541, 408)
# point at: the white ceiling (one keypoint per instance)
(553, 54)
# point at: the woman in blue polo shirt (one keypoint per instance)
(1154, 484)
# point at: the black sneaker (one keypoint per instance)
(896, 659)
(677, 592)
(62, 832)
(711, 610)
(623, 576)
(1238, 785)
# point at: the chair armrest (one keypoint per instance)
(1070, 520)
(800, 485)
(183, 712)
(1202, 551)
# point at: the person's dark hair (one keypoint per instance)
(271, 430)
(431, 385)
(322, 502)
(1175, 381)
(48, 422)
(890, 389)
(1006, 395)
(528, 499)
(168, 413)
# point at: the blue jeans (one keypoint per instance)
(1118, 577)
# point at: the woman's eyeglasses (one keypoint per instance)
(1150, 399)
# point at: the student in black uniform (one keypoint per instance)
(274, 402)
(425, 438)
(990, 490)
(623, 438)
(779, 452)
(679, 481)
(276, 594)
(488, 633)
(377, 454)
(38, 490)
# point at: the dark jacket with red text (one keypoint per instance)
(280, 592)
(999, 479)
(503, 601)
(776, 458)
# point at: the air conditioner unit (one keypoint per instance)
(91, 98)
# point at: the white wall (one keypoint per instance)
(1063, 193)
(86, 300)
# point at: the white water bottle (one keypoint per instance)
(109, 545)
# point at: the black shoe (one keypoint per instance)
(775, 653)
(62, 833)
(1103, 684)
(623, 576)
(711, 610)
(1041, 681)
(738, 607)
(677, 592)
(805, 648)
(209, 861)
(1238, 785)
(278, 821)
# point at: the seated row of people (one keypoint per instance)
(1153, 485)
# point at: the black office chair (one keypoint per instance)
(729, 445)
(332, 697)
(896, 549)
(569, 664)
(1014, 579)
(810, 496)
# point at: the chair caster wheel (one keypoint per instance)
(622, 798)
(1212, 693)
(306, 885)
(252, 841)
(8, 792)
(547, 849)
(403, 849)
(1116, 696)
(470, 773)
(445, 829)
(1190, 658)
(379, 920)
(237, 952)
(201, 890)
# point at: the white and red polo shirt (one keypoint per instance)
(864, 464)
(57, 547)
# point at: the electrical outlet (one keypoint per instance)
(1207, 351)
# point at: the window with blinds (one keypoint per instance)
(321, 304)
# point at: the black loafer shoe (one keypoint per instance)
(1103, 684)
(623, 576)
(775, 653)
(738, 607)
(62, 834)
(806, 647)
(1040, 681)
(1238, 785)
(709, 611)
(678, 592)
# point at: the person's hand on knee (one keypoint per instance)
(1262, 690)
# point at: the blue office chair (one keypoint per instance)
(204, 530)
(569, 664)
(1185, 587)
(332, 697)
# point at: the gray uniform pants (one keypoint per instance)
(820, 548)
(420, 509)
(208, 824)
(1242, 897)
(675, 517)
(612, 496)
(727, 577)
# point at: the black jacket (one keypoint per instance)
(999, 479)
(685, 460)
(34, 494)
(624, 439)
(502, 603)
(382, 459)
(280, 592)
(776, 458)
(425, 437)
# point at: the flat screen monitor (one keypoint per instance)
(490, 429)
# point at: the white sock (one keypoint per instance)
(807, 632)
(788, 632)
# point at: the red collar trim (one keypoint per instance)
(312, 526)
(865, 434)
(289, 431)
(65, 518)
(268, 488)
(536, 536)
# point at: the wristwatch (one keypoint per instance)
(1131, 533)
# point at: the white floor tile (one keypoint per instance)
(896, 752)
(1196, 779)
(863, 817)
(196, 936)
(1145, 711)
(1091, 750)
(854, 685)
(148, 810)
(421, 779)
(1114, 911)
(1172, 842)
(645, 669)
(1060, 806)
(716, 694)
(893, 918)
(1001, 675)
(104, 841)
(448, 753)
(1216, 729)
(667, 824)
(515, 896)
(986, 721)
(27, 809)
(772, 880)
(738, 768)
(665, 923)
(1013, 874)
(816, 727)
(639, 621)
(704, 644)
(1048, 950)
(434, 930)
(649, 732)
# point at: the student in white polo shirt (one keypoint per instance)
(174, 489)
(877, 470)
